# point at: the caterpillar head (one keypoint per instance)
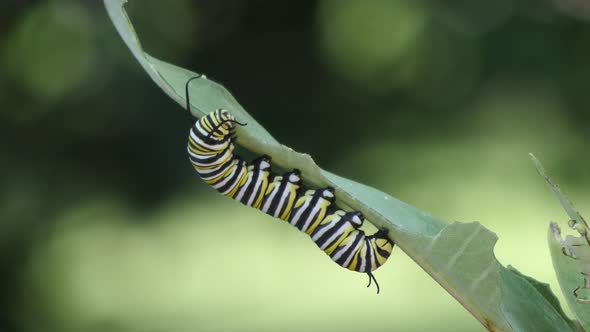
(224, 116)
(223, 123)
(224, 120)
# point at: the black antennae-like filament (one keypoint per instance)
(188, 103)
(372, 278)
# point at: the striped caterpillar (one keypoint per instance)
(313, 211)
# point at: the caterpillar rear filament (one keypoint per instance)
(313, 211)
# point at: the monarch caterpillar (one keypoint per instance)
(313, 211)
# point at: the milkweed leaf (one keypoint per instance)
(570, 255)
(523, 292)
(459, 256)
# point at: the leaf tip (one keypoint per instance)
(537, 164)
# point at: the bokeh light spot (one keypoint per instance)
(51, 50)
(363, 40)
(152, 20)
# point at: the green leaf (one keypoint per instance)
(519, 297)
(571, 256)
(565, 202)
(459, 256)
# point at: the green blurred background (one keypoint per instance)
(105, 227)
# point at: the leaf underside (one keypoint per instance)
(459, 256)
(571, 256)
